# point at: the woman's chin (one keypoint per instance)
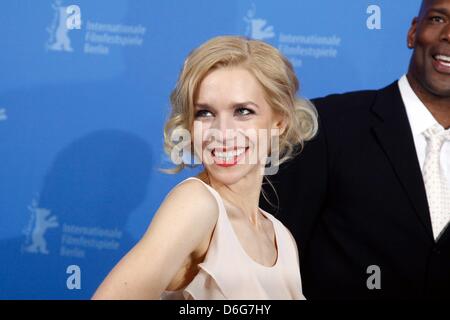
(231, 174)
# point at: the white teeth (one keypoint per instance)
(443, 58)
(229, 154)
(447, 64)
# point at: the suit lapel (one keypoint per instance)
(394, 135)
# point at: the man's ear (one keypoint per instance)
(411, 39)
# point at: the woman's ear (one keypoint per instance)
(280, 123)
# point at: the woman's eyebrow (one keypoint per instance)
(246, 103)
(201, 105)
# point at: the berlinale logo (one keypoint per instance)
(65, 19)
(40, 221)
(257, 28)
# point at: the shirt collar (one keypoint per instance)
(420, 118)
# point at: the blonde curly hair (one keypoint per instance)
(271, 69)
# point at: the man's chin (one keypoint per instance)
(442, 92)
(439, 87)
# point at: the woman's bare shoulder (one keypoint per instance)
(190, 203)
(193, 194)
(179, 229)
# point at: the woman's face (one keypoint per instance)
(232, 124)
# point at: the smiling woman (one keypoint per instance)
(209, 239)
(264, 69)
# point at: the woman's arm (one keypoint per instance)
(186, 217)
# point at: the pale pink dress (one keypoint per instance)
(227, 272)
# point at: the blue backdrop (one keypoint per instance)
(84, 89)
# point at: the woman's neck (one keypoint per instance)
(244, 194)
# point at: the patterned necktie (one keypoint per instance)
(436, 185)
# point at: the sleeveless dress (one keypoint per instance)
(228, 272)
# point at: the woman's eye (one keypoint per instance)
(244, 111)
(203, 114)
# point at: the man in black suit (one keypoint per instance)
(366, 199)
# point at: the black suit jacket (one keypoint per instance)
(355, 197)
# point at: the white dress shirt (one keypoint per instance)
(420, 119)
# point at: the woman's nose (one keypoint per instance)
(224, 130)
(225, 125)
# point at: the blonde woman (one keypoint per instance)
(209, 239)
